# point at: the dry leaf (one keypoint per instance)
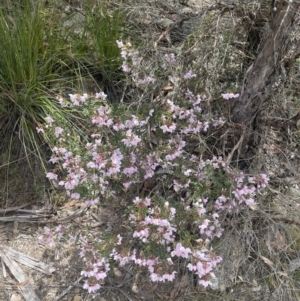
(72, 203)
(267, 261)
(16, 297)
(271, 147)
(147, 22)
(283, 274)
(22, 283)
(167, 88)
(241, 278)
(253, 206)
(256, 288)
(135, 288)
(117, 272)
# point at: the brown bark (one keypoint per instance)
(262, 73)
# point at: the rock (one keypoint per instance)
(164, 23)
(16, 297)
(200, 3)
(187, 10)
(76, 22)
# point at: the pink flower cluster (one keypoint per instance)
(50, 236)
(96, 267)
(132, 64)
(243, 191)
(203, 264)
(120, 155)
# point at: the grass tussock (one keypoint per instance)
(42, 56)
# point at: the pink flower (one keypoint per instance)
(91, 165)
(54, 159)
(172, 213)
(49, 120)
(171, 106)
(92, 202)
(154, 277)
(89, 272)
(131, 123)
(115, 162)
(140, 203)
(131, 139)
(100, 275)
(127, 184)
(48, 238)
(230, 95)
(51, 176)
(58, 131)
(91, 287)
(169, 128)
(240, 178)
(189, 75)
(249, 201)
(217, 122)
(124, 54)
(101, 95)
(204, 283)
(74, 99)
(130, 170)
(147, 80)
(118, 126)
(169, 277)
(120, 44)
(99, 160)
(262, 181)
(170, 58)
(204, 226)
(61, 101)
(142, 234)
(102, 117)
(119, 239)
(181, 251)
(75, 196)
(83, 97)
(126, 68)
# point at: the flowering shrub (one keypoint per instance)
(144, 156)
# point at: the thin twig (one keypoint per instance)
(229, 158)
(11, 209)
